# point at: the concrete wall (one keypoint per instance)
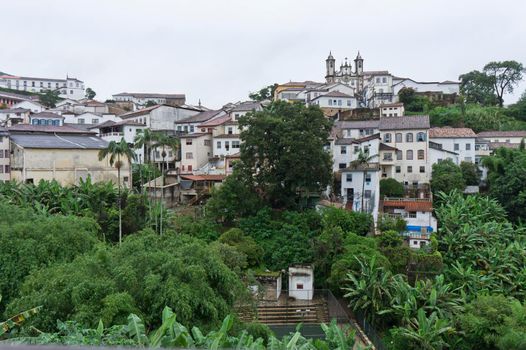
(465, 145)
(66, 166)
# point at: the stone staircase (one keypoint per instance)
(294, 313)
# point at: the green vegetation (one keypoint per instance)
(446, 177)
(266, 93)
(50, 98)
(391, 188)
(90, 94)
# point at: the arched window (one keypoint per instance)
(387, 138)
(409, 137)
(34, 122)
(409, 155)
(420, 154)
(421, 137)
(398, 137)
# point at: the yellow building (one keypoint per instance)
(64, 154)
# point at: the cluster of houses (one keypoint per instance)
(62, 143)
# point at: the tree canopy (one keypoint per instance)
(266, 93)
(446, 176)
(90, 94)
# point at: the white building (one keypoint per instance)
(14, 116)
(5, 164)
(406, 157)
(335, 100)
(445, 87)
(161, 118)
(458, 140)
(191, 123)
(33, 106)
(196, 150)
(140, 99)
(392, 110)
(117, 130)
(301, 282)
(71, 88)
(46, 118)
(360, 188)
(89, 118)
(504, 137)
(438, 154)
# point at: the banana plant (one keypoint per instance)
(17, 320)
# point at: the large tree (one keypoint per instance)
(49, 98)
(446, 176)
(266, 93)
(90, 93)
(283, 147)
(477, 87)
(505, 76)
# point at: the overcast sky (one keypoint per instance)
(219, 50)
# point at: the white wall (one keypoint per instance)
(355, 182)
(464, 146)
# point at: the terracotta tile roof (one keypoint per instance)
(404, 123)
(399, 104)
(227, 136)
(502, 134)
(334, 94)
(410, 205)
(215, 122)
(384, 147)
(203, 177)
(447, 131)
(358, 124)
(47, 129)
(150, 95)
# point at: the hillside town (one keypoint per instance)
(61, 142)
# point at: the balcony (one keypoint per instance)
(407, 199)
(119, 134)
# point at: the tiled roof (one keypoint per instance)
(200, 117)
(438, 147)
(15, 110)
(195, 135)
(48, 141)
(334, 94)
(399, 104)
(216, 121)
(227, 136)
(140, 112)
(446, 132)
(46, 115)
(410, 205)
(362, 167)
(404, 123)
(502, 134)
(358, 124)
(495, 145)
(150, 95)
(14, 96)
(384, 147)
(247, 106)
(46, 129)
(203, 177)
(367, 138)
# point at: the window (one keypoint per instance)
(339, 102)
(230, 130)
(348, 177)
(409, 154)
(71, 92)
(387, 137)
(421, 137)
(409, 169)
(341, 166)
(422, 169)
(81, 121)
(378, 79)
(467, 159)
(399, 155)
(398, 169)
(189, 168)
(388, 156)
(398, 137)
(218, 144)
(356, 149)
(2, 155)
(235, 144)
(330, 102)
(299, 285)
(192, 128)
(1, 169)
(468, 146)
(384, 80)
(343, 149)
(367, 177)
(456, 146)
(6, 153)
(157, 154)
(349, 103)
(366, 149)
(7, 169)
(367, 193)
(420, 154)
(94, 121)
(189, 155)
(188, 142)
(56, 122)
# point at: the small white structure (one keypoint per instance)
(301, 282)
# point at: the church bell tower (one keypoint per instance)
(330, 68)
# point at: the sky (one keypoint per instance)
(217, 51)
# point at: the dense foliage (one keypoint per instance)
(391, 188)
(446, 177)
(144, 274)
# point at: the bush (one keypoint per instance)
(349, 221)
(391, 188)
(470, 173)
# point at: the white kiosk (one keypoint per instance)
(301, 282)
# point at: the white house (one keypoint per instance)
(458, 140)
(196, 149)
(33, 106)
(407, 160)
(117, 130)
(191, 123)
(509, 137)
(445, 87)
(46, 118)
(161, 117)
(14, 116)
(358, 129)
(335, 100)
(438, 154)
(71, 88)
(301, 282)
(140, 99)
(392, 110)
(88, 118)
(360, 188)
(5, 164)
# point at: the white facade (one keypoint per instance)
(445, 87)
(437, 154)
(463, 146)
(68, 88)
(335, 101)
(392, 110)
(196, 149)
(33, 106)
(161, 117)
(301, 282)
(359, 186)
(89, 118)
(5, 164)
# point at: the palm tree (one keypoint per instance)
(362, 161)
(115, 151)
(164, 141)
